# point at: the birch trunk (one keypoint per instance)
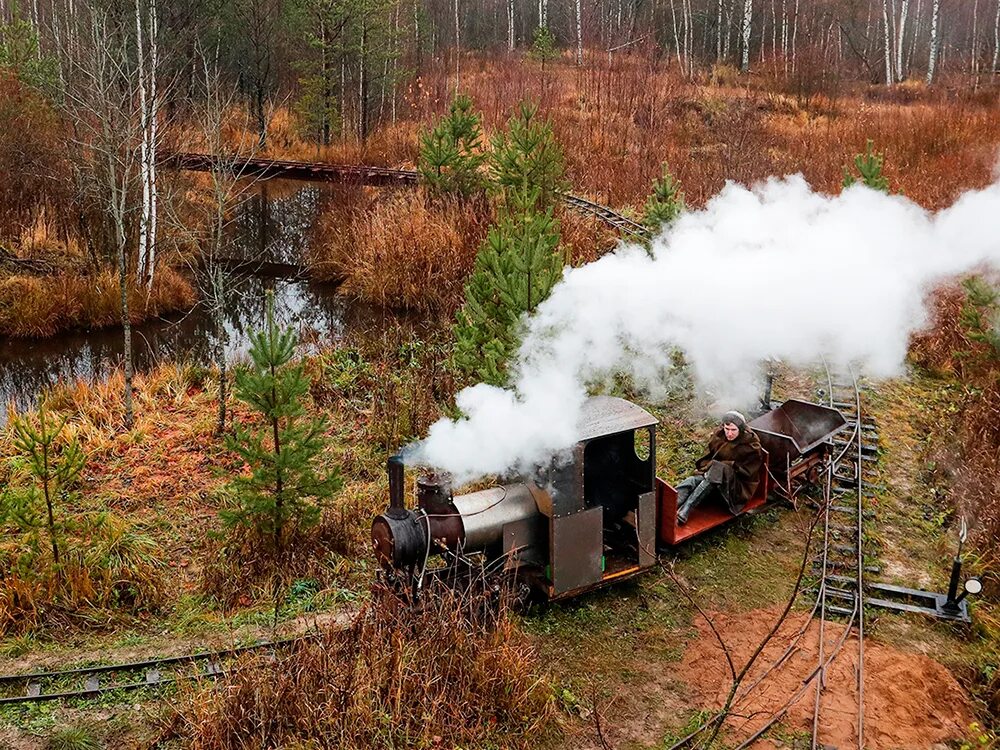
(510, 25)
(718, 35)
(935, 22)
(143, 259)
(900, 35)
(154, 112)
(974, 52)
(888, 42)
(996, 39)
(579, 31)
(677, 40)
(746, 27)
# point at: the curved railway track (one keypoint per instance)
(839, 591)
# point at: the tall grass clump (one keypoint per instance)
(454, 671)
(964, 343)
(38, 306)
(408, 252)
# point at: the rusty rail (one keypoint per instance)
(360, 174)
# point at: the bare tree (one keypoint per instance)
(103, 102)
(227, 189)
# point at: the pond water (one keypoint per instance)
(271, 233)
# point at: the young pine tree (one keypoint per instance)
(450, 153)
(665, 203)
(54, 463)
(869, 169)
(515, 270)
(283, 492)
(526, 159)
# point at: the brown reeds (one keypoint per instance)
(407, 251)
(38, 306)
(972, 445)
(451, 671)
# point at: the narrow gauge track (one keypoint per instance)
(840, 589)
(88, 682)
(360, 174)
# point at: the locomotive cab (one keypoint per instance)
(602, 514)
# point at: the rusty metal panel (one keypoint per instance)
(524, 541)
(645, 521)
(575, 550)
(608, 415)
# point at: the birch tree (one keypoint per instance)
(745, 29)
(996, 40)
(900, 36)
(147, 62)
(935, 23)
(103, 101)
(887, 38)
(579, 31)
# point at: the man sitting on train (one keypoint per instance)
(730, 469)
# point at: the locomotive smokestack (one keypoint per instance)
(394, 467)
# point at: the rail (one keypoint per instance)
(361, 174)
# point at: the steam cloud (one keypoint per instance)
(774, 271)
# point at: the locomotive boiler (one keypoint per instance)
(595, 516)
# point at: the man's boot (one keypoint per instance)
(693, 500)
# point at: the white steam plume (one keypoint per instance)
(774, 271)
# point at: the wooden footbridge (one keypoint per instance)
(361, 174)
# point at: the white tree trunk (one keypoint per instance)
(143, 257)
(458, 50)
(935, 22)
(795, 35)
(718, 35)
(996, 40)
(677, 39)
(579, 31)
(900, 35)
(974, 51)
(887, 38)
(746, 26)
(510, 25)
(154, 107)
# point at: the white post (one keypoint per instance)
(935, 20)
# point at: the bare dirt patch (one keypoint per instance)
(911, 701)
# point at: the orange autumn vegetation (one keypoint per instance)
(35, 306)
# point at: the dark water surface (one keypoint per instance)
(275, 230)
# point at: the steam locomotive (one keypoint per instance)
(593, 519)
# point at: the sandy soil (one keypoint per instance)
(911, 701)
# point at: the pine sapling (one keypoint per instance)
(284, 490)
(451, 152)
(869, 169)
(665, 203)
(55, 463)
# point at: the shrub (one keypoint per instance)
(33, 307)
(408, 252)
(452, 672)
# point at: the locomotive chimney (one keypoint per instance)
(394, 466)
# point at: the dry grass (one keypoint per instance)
(453, 671)
(406, 251)
(107, 570)
(37, 306)
(973, 447)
